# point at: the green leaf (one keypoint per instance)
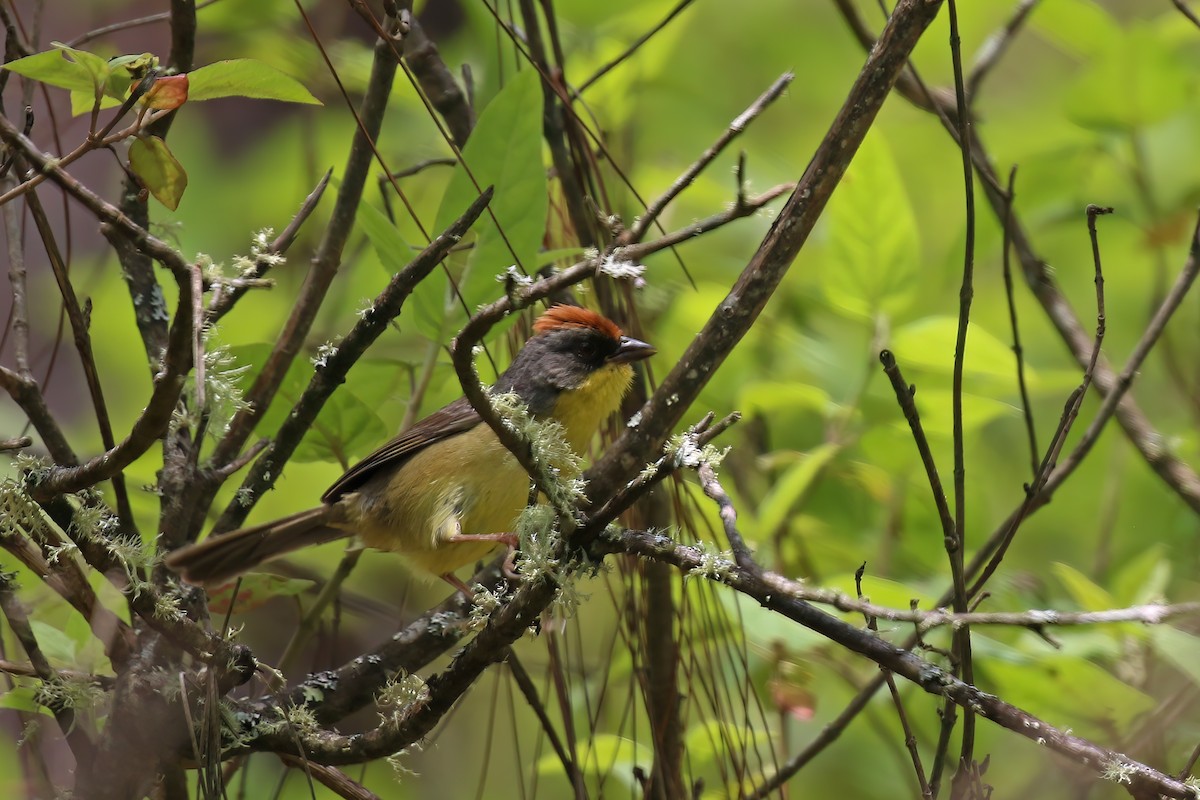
(96, 66)
(707, 742)
(1084, 591)
(54, 69)
(58, 647)
(423, 310)
(1143, 579)
(882, 591)
(123, 71)
(244, 77)
(345, 426)
(793, 486)
(21, 698)
(1081, 27)
(571, 254)
(936, 407)
(928, 343)
(255, 589)
(505, 151)
(152, 161)
(394, 253)
(84, 102)
(873, 249)
(1072, 691)
(1180, 648)
(772, 397)
(1136, 83)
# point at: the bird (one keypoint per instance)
(446, 491)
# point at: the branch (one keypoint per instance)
(1187, 12)
(150, 424)
(47, 555)
(774, 593)
(332, 779)
(81, 746)
(964, 664)
(224, 299)
(996, 46)
(326, 260)
(104, 211)
(638, 231)
(633, 48)
(1173, 471)
(1018, 351)
(26, 394)
(332, 372)
(149, 19)
(1115, 397)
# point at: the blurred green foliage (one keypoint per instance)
(1094, 102)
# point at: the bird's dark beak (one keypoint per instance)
(631, 350)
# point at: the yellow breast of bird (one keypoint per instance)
(581, 411)
(469, 484)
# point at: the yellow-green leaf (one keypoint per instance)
(245, 77)
(873, 245)
(505, 151)
(1085, 592)
(792, 486)
(53, 69)
(159, 171)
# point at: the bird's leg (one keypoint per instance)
(509, 539)
(453, 580)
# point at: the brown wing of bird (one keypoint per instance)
(223, 556)
(458, 417)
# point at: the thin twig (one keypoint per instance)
(332, 372)
(83, 344)
(1187, 12)
(225, 298)
(633, 48)
(774, 593)
(962, 635)
(16, 443)
(82, 746)
(530, 693)
(19, 321)
(910, 737)
(326, 260)
(1070, 412)
(149, 19)
(638, 231)
(331, 778)
(1121, 384)
(905, 398)
(1018, 351)
(996, 46)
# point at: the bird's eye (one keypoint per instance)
(586, 350)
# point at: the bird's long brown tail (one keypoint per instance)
(221, 557)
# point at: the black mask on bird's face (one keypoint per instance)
(569, 345)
